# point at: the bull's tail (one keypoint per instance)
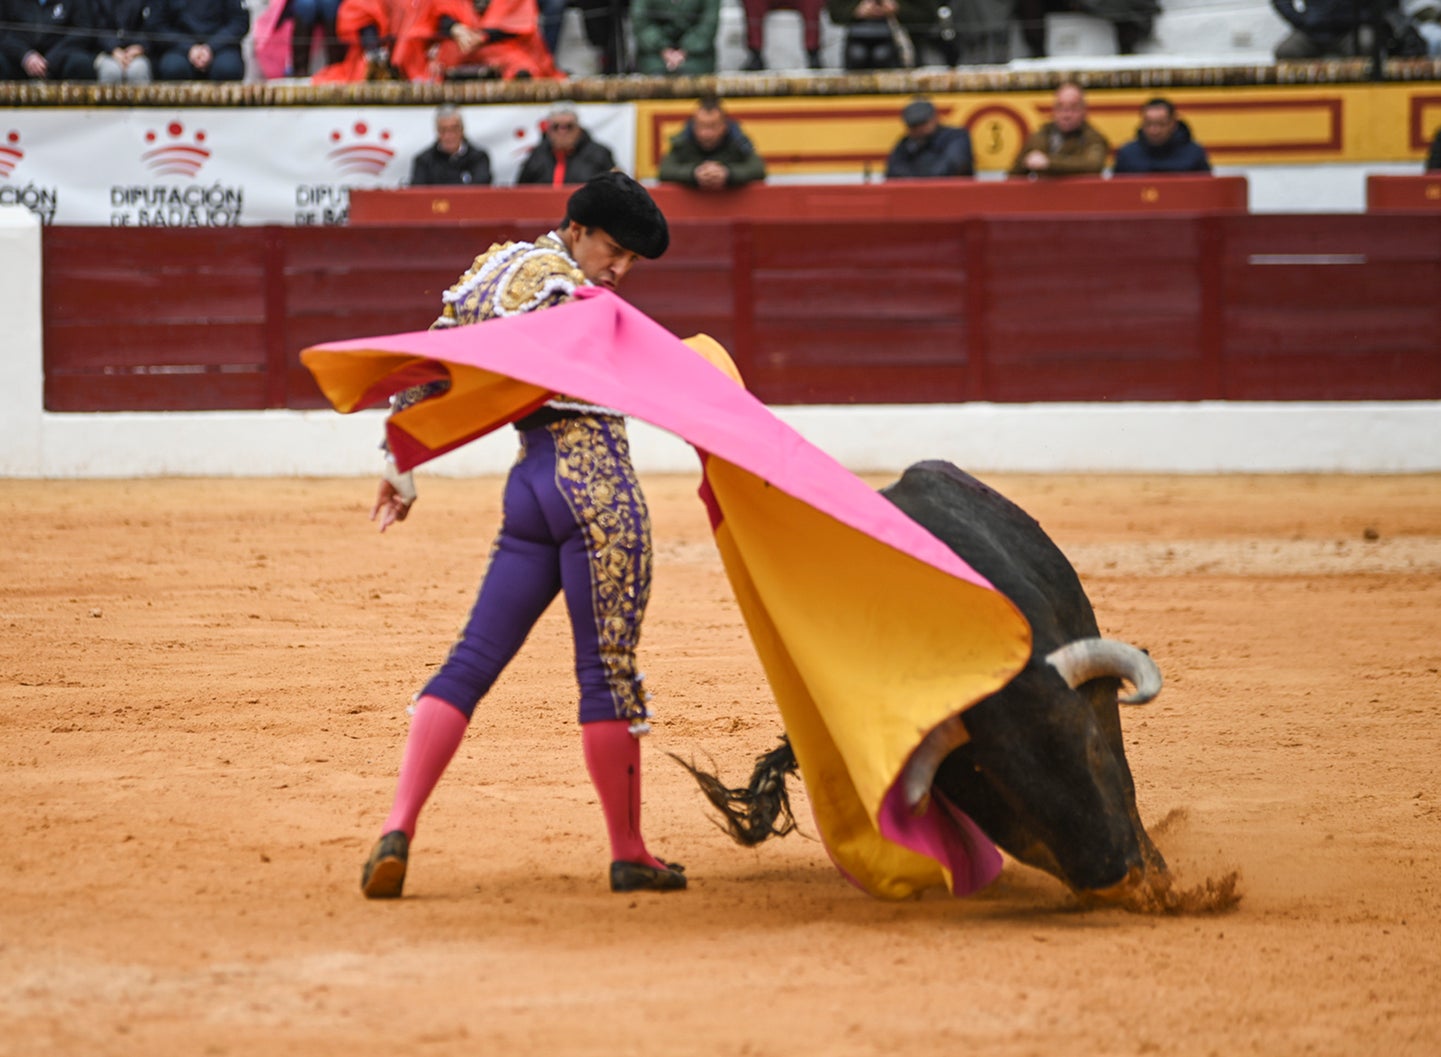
(759, 810)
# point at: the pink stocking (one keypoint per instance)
(612, 755)
(436, 731)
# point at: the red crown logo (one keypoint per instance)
(10, 153)
(363, 156)
(175, 158)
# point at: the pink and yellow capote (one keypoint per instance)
(873, 634)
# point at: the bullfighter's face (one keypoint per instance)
(604, 261)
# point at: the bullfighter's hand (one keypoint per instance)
(391, 504)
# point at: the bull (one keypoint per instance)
(1040, 765)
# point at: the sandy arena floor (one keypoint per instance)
(204, 687)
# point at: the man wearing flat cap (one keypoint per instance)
(573, 522)
(929, 149)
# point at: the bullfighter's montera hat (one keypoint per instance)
(622, 208)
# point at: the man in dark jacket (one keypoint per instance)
(123, 51)
(1320, 28)
(565, 154)
(891, 34)
(711, 153)
(199, 40)
(1163, 144)
(451, 159)
(929, 148)
(39, 41)
(1433, 160)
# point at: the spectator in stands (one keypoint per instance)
(929, 149)
(451, 159)
(1163, 144)
(306, 16)
(1433, 160)
(675, 37)
(552, 20)
(483, 38)
(433, 40)
(756, 11)
(371, 30)
(981, 29)
(565, 154)
(122, 45)
(606, 28)
(1134, 20)
(1067, 145)
(198, 40)
(711, 153)
(1321, 28)
(892, 34)
(39, 41)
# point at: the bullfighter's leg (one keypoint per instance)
(522, 579)
(605, 575)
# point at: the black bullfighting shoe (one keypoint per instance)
(384, 874)
(638, 877)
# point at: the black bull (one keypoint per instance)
(1042, 769)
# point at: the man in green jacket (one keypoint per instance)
(675, 38)
(711, 153)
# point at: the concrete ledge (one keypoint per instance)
(1144, 438)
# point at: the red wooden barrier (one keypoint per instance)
(1338, 307)
(1404, 194)
(897, 200)
(154, 318)
(1007, 308)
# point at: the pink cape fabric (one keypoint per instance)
(601, 350)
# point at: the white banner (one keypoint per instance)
(184, 167)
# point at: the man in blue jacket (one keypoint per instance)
(928, 148)
(199, 40)
(1163, 144)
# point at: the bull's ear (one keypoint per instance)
(1081, 661)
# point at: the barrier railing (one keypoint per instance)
(1007, 308)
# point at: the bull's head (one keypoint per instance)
(1043, 770)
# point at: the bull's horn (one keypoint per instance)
(1086, 659)
(920, 770)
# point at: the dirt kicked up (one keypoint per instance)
(202, 706)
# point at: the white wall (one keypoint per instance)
(1185, 438)
(21, 377)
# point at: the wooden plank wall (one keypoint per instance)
(1009, 309)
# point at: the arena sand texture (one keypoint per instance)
(204, 687)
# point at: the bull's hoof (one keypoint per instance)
(1122, 893)
(1153, 892)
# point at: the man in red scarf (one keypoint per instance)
(565, 154)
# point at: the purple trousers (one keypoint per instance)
(574, 521)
